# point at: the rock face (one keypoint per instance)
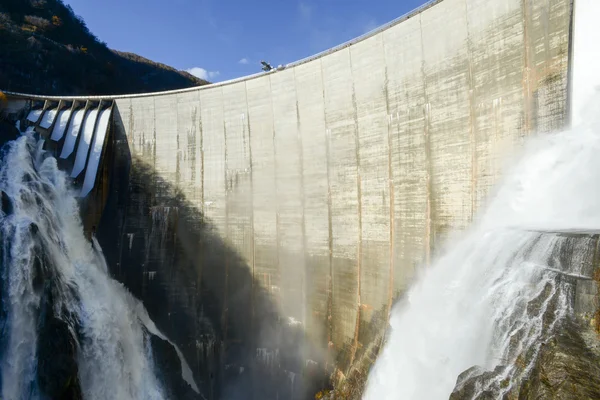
(567, 367)
(46, 49)
(169, 366)
(58, 330)
(8, 132)
(57, 357)
(564, 360)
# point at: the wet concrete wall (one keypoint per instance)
(335, 178)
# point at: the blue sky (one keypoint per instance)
(225, 39)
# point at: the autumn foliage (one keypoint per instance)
(3, 99)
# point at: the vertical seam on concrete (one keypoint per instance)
(329, 222)
(178, 161)
(544, 22)
(154, 137)
(527, 71)
(428, 163)
(302, 197)
(154, 184)
(200, 266)
(131, 123)
(191, 144)
(201, 131)
(202, 209)
(391, 186)
(253, 260)
(224, 314)
(252, 282)
(304, 350)
(130, 127)
(472, 133)
(569, 95)
(277, 205)
(130, 142)
(496, 105)
(359, 209)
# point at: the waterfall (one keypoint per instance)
(495, 292)
(49, 269)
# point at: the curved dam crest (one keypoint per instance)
(296, 206)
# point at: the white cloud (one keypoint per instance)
(243, 61)
(305, 10)
(202, 73)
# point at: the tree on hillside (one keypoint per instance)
(46, 48)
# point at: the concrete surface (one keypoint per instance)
(586, 37)
(354, 164)
(336, 178)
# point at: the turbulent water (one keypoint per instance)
(46, 256)
(473, 305)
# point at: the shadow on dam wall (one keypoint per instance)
(198, 289)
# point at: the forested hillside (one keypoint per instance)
(46, 49)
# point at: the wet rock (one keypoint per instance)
(37, 271)
(47, 190)
(57, 355)
(33, 229)
(8, 132)
(473, 383)
(168, 368)
(7, 205)
(565, 368)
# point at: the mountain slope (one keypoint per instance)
(46, 49)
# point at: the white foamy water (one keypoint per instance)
(42, 222)
(469, 308)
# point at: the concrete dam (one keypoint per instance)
(269, 223)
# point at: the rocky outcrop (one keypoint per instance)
(46, 49)
(563, 362)
(57, 355)
(8, 132)
(169, 369)
(567, 367)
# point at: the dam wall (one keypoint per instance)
(290, 209)
(335, 177)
